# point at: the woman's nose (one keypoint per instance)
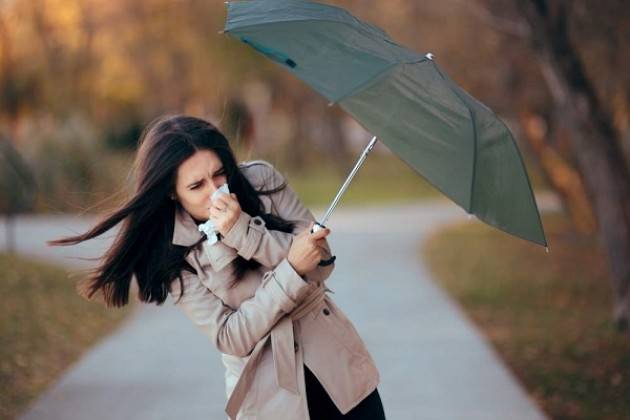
(211, 190)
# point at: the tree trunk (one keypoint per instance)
(9, 221)
(337, 144)
(560, 174)
(599, 155)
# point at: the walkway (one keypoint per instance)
(434, 363)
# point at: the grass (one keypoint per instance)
(381, 179)
(45, 327)
(547, 314)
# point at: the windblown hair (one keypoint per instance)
(148, 216)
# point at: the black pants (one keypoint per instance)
(321, 407)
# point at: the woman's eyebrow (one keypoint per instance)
(199, 180)
(192, 183)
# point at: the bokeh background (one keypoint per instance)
(80, 78)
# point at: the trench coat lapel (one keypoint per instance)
(185, 231)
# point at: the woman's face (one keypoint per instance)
(197, 178)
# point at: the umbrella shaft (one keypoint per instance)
(343, 188)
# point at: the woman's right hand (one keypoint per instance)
(306, 250)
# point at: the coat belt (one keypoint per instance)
(282, 346)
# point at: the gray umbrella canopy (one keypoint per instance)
(405, 99)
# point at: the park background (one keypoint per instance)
(80, 78)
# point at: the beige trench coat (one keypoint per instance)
(273, 321)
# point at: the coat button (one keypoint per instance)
(257, 221)
(326, 311)
(295, 346)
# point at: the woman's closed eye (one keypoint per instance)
(201, 182)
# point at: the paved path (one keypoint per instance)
(434, 363)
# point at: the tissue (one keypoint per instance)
(208, 227)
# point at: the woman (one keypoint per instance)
(258, 291)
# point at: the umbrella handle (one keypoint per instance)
(330, 260)
(318, 226)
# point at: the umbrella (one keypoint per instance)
(404, 99)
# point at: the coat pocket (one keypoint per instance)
(341, 328)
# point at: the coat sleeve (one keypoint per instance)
(251, 238)
(236, 331)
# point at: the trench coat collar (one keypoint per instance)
(185, 231)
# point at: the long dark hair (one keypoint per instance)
(148, 216)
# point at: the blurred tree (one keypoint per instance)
(578, 48)
(562, 175)
(125, 132)
(19, 87)
(119, 63)
(17, 188)
(334, 142)
(239, 125)
(600, 158)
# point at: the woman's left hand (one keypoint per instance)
(224, 212)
